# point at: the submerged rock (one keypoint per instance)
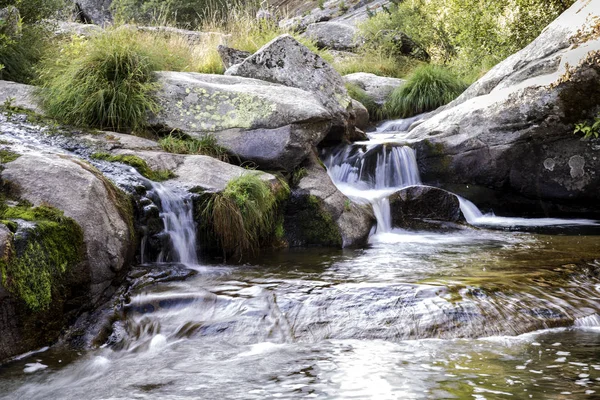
(425, 207)
(271, 125)
(286, 61)
(378, 88)
(512, 131)
(318, 214)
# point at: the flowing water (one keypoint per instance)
(475, 314)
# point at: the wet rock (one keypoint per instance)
(362, 115)
(231, 57)
(425, 207)
(84, 195)
(93, 11)
(286, 61)
(108, 141)
(318, 214)
(512, 131)
(19, 95)
(334, 35)
(271, 125)
(195, 173)
(378, 88)
(10, 21)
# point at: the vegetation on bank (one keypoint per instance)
(206, 146)
(139, 164)
(244, 216)
(427, 88)
(42, 255)
(106, 81)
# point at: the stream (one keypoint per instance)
(492, 312)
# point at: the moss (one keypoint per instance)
(7, 156)
(243, 218)
(43, 254)
(315, 225)
(139, 164)
(207, 145)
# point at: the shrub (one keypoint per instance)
(469, 35)
(426, 89)
(207, 145)
(244, 215)
(106, 81)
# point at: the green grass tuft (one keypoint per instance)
(207, 145)
(139, 164)
(426, 89)
(107, 81)
(244, 215)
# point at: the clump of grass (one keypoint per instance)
(140, 165)
(106, 81)
(206, 145)
(243, 215)
(33, 271)
(427, 88)
(360, 95)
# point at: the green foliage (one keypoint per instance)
(206, 145)
(470, 35)
(297, 176)
(184, 13)
(426, 89)
(48, 251)
(32, 11)
(106, 81)
(244, 215)
(140, 165)
(589, 130)
(358, 94)
(321, 4)
(7, 156)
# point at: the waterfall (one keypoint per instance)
(372, 174)
(179, 225)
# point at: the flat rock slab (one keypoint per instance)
(377, 87)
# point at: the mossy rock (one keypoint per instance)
(308, 224)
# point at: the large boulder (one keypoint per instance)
(512, 131)
(378, 88)
(334, 35)
(425, 207)
(286, 61)
(93, 11)
(67, 28)
(80, 191)
(192, 38)
(269, 124)
(18, 95)
(99, 248)
(318, 214)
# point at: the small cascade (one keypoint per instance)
(398, 125)
(179, 225)
(372, 174)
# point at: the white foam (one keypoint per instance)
(34, 367)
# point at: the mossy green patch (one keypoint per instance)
(315, 225)
(206, 145)
(139, 164)
(42, 255)
(7, 156)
